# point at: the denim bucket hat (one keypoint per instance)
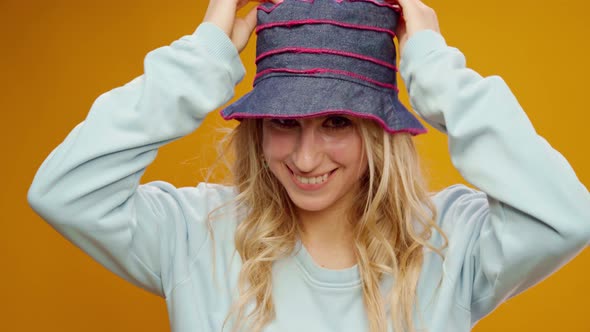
(321, 57)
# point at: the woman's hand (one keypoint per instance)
(415, 16)
(223, 14)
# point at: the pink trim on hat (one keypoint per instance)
(269, 10)
(326, 70)
(413, 131)
(325, 51)
(395, 7)
(332, 22)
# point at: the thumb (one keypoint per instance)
(250, 20)
(401, 33)
(243, 28)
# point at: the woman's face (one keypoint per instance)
(318, 160)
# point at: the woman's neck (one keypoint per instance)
(328, 237)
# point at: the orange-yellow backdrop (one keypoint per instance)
(58, 56)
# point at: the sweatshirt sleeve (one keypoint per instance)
(532, 215)
(88, 187)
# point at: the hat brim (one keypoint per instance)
(304, 96)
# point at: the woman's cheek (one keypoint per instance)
(277, 145)
(345, 148)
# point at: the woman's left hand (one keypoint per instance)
(416, 16)
(223, 14)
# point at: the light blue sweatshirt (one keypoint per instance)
(531, 216)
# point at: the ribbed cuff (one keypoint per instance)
(420, 45)
(220, 46)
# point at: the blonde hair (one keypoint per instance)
(395, 221)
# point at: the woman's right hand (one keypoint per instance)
(415, 16)
(223, 14)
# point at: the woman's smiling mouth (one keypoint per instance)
(311, 182)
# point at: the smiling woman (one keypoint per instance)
(328, 149)
(327, 182)
(328, 224)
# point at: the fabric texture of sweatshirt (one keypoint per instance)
(529, 216)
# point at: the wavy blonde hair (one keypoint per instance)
(394, 213)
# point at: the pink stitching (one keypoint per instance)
(413, 131)
(395, 7)
(326, 70)
(326, 51)
(341, 24)
(269, 10)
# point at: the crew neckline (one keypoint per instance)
(341, 278)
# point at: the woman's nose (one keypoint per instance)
(307, 154)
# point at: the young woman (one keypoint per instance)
(328, 226)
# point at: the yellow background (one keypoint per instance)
(58, 56)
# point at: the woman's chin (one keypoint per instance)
(311, 204)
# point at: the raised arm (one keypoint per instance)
(533, 215)
(88, 187)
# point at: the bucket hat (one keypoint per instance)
(322, 57)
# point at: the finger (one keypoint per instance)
(401, 35)
(401, 2)
(250, 19)
(400, 28)
(243, 28)
(408, 2)
(410, 5)
(394, 3)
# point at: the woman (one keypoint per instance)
(332, 224)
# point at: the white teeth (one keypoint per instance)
(314, 180)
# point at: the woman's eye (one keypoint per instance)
(336, 122)
(284, 123)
